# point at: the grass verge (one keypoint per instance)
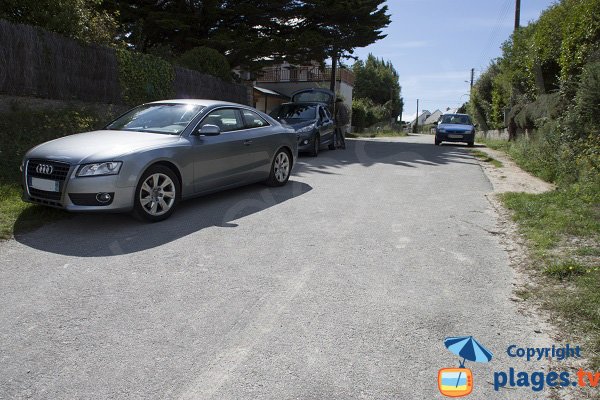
(356, 135)
(18, 215)
(562, 228)
(486, 158)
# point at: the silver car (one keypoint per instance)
(157, 154)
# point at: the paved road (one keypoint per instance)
(341, 285)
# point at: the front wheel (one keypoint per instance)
(471, 144)
(156, 194)
(437, 142)
(280, 169)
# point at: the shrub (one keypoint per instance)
(206, 60)
(144, 77)
(365, 113)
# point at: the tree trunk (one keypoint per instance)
(334, 61)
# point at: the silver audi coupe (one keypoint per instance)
(157, 154)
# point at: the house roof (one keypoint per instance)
(433, 118)
(269, 92)
(424, 114)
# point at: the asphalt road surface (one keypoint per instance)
(341, 285)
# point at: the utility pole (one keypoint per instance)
(417, 119)
(517, 15)
(472, 77)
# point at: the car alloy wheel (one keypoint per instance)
(281, 169)
(157, 194)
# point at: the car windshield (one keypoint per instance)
(456, 119)
(170, 119)
(296, 111)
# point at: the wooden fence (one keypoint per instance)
(42, 64)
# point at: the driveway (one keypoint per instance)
(341, 285)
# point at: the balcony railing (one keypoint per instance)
(304, 74)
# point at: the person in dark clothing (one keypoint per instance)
(341, 120)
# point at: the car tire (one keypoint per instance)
(471, 144)
(438, 142)
(281, 168)
(316, 146)
(157, 194)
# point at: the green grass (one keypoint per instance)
(16, 215)
(495, 144)
(486, 158)
(588, 251)
(548, 217)
(566, 269)
(385, 133)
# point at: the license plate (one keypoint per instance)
(455, 136)
(44, 184)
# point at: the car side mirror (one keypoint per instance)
(209, 130)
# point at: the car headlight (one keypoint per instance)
(441, 130)
(97, 169)
(306, 129)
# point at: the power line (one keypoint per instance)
(503, 14)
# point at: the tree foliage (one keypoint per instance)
(206, 60)
(84, 20)
(377, 91)
(252, 33)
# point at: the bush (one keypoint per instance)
(206, 60)
(365, 113)
(144, 77)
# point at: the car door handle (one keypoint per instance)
(247, 142)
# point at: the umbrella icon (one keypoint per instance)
(469, 349)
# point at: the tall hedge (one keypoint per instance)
(144, 77)
(542, 58)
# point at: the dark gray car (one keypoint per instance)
(312, 122)
(157, 154)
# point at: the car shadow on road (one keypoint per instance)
(370, 152)
(102, 235)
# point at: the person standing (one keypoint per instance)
(341, 121)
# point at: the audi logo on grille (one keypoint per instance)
(44, 169)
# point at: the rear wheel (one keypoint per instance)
(156, 194)
(280, 169)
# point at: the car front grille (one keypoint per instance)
(60, 170)
(45, 169)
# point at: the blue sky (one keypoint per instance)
(433, 45)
